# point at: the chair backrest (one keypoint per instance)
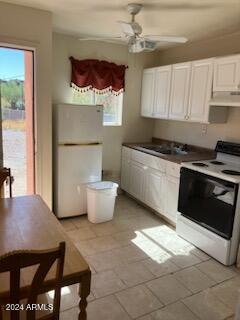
(5, 173)
(14, 261)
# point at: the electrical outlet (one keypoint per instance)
(204, 129)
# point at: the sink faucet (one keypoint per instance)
(185, 147)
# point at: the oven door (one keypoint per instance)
(208, 201)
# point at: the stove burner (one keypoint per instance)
(219, 163)
(199, 164)
(232, 172)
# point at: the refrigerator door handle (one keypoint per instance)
(80, 144)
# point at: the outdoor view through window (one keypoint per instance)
(112, 105)
(16, 102)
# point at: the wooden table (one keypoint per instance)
(27, 223)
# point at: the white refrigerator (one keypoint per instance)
(78, 135)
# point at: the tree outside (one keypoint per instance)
(12, 94)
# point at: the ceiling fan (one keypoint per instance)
(132, 33)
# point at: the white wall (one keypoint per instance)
(134, 128)
(29, 27)
(193, 133)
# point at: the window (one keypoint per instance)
(112, 105)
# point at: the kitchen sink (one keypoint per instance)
(163, 149)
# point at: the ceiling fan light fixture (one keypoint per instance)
(142, 45)
(148, 45)
(132, 40)
(134, 48)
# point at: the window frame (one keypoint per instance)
(119, 109)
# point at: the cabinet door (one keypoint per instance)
(227, 74)
(153, 190)
(179, 91)
(137, 180)
(162, 92)
(147, 92)
(125, 171)
(171, 194)
(200, 90)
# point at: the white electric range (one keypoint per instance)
(209, 203)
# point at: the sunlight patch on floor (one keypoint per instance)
(64, 291)
(160, 243)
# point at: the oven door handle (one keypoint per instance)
(222, 193)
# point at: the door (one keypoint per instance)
(147, 92)
(200, 90)
(208, 201)
(171, 196)
(227, 74)
(137, 180)
(154, 190)
(76, 166)
(162, 92)
(17, 118)
(79, 124)
(179, 91)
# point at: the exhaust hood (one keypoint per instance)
(227, 99)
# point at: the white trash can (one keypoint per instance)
(101, 200)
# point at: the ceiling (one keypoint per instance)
(194, 19)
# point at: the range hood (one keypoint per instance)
(226, 99)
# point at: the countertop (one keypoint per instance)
(194, 154)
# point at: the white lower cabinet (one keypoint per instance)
(125, 171)
(154, 190)
(153, 181)
(125, 168)
(171, 189)
(137, 180)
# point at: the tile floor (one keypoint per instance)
(142, 270)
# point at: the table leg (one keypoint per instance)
(84, 291)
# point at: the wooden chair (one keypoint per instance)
(5, 175)
(14, 261)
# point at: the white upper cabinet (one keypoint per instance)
(147, 92)
(162, 92)
(200, 90)
(179, 91)
(187, 91)
(227, 74)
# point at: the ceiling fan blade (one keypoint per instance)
(166, 38)
(101, 38)
(151, 5)
(126, 28)
(154, 5)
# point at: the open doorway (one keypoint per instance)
(17, 118)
